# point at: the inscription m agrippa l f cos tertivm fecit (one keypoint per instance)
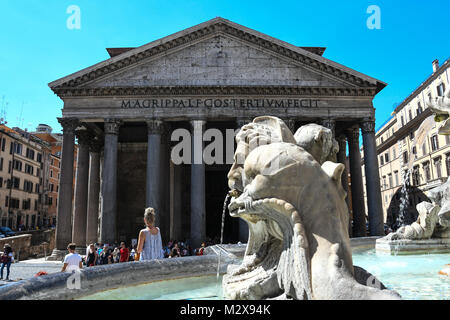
(219, 103)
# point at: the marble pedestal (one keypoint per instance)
(403, 247)
(57, 255)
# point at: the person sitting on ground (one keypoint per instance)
(72, 261)
(91, 256)
(124, 253)
(7, 258)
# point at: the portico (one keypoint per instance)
(217, 74)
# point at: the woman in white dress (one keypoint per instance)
(150, 243)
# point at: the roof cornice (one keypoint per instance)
(206, 29)
(214, 91)
(424, 84)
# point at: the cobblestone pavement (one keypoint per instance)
(28, 268)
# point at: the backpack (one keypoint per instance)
(5, 258)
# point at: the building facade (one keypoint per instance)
(409, 147)
(22, 160)
(218, 74)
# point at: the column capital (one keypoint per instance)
(112, 126)
(69, 124)
(95, 145)
(84, 136)
(329, 123)
(197, 124)
(368, 126)
(352, 134)
(155, 126)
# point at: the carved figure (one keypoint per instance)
(433, 220)
(298, 244)
(441, 109)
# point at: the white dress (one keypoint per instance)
(152, 246)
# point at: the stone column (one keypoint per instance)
(198, 208)
(93, 192)
(165, 181)
(153, 181)
(109, 182)
(176, 201)
(374, 205)
(81, 190)
(64, 214)
(341, 158)
(243, 226)
(359, 216)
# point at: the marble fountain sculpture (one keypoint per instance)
(288, 189)
(431, 231)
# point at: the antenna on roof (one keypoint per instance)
(3, 111)
(19, 118)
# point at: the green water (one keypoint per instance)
(412, 276)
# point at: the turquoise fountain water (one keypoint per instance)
(415, 277)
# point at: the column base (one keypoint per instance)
(81, 251)
(57, 255)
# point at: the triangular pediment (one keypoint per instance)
(217, 53)
(218, 61)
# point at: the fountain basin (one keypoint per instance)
(195, 278)
(415, 277)
(107, 277)
(407, 246)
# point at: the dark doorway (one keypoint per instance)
(216, 190)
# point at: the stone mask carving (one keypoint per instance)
(298, 245)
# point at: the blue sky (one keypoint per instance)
(36, 47)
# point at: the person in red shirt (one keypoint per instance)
(124, 253)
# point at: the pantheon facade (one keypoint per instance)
(217, 74)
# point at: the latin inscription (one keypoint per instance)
(219, 103)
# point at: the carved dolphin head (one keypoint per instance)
(263, 130)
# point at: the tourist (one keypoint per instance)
(133, 253)
(150, 243)
(201, 249)
(91, 256)
(7, 258)
(175, 251)
(166, 251)
(124, 253)
(105, 255)
(115, 255)
(72, 261)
